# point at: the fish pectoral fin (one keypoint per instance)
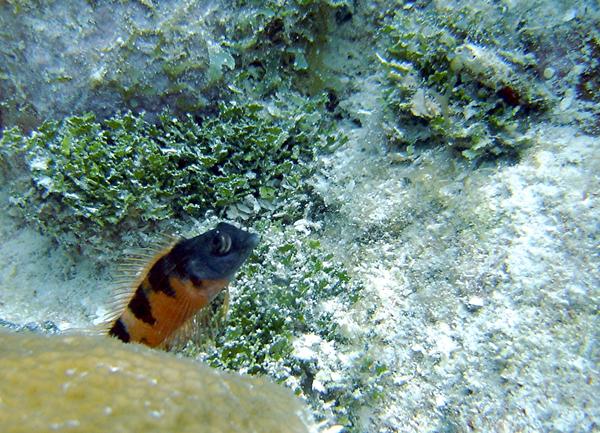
(203, 326)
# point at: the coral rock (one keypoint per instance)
(95, 384)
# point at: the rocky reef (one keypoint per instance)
(95, 384)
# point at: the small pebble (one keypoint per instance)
(475, 303)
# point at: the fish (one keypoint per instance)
(178, 282)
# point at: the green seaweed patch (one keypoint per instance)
(277, 44)
(285, 321)
(443, 88)
(96, 180)
(279, 296)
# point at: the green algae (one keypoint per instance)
(95, 384)
(278, 44)
(450, 80)
(284, 309)
(97, 180)
(281, 295)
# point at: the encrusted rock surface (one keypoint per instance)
(96, 384)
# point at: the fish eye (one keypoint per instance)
(221, 244)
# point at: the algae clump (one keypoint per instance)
(83, 179)
(95, 384)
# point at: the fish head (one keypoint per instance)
(214, 255)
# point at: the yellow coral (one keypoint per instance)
(96, 384)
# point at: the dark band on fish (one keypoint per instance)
(158, 277)
(166, 288)
(118, 330)
(140, 307)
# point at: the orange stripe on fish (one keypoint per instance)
(178, 282)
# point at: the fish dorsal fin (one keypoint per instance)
(203, 326)
(131, 271)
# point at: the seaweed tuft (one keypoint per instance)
(96, 180)
(287, 320)
(449, 82)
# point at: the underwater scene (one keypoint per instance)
(325, 216)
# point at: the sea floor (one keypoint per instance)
(481, 281)
(484, 283)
